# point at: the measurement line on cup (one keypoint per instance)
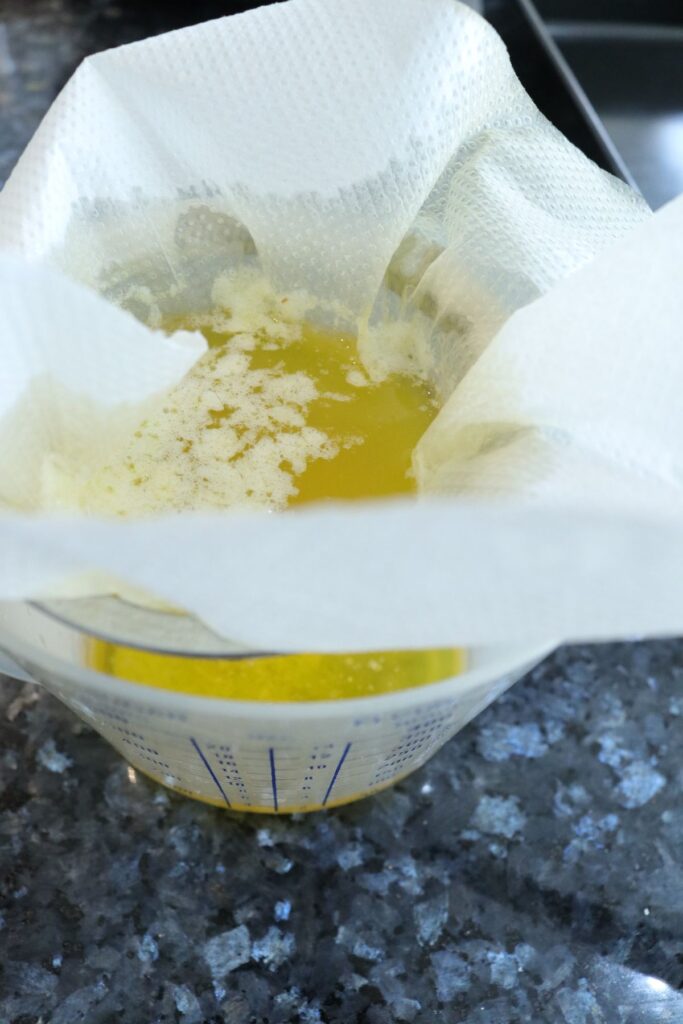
(210, 771)
(273, 776)
(336, 773)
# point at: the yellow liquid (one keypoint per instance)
(374, 427)
(365, 435)
(296, 677)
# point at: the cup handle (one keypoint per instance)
(9, 667)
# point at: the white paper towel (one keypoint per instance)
(73, 366)
(377, 154)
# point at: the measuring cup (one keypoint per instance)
(242, 755)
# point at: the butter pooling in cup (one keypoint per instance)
(278, 412)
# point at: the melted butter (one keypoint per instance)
(296, 677)
(269, 420)
(273, 417)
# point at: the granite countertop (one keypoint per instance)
(531, 872)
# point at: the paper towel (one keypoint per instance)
(384, 157)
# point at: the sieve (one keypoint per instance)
(254, 756)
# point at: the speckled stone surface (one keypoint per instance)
(531, 873)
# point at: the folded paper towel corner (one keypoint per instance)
(385, 158)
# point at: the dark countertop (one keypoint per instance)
(531, 872)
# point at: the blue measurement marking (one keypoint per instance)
(210, 770)
(273, 776)
(336, 773)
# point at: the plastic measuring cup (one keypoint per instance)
(243, 755)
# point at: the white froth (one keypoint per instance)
(228, 435)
